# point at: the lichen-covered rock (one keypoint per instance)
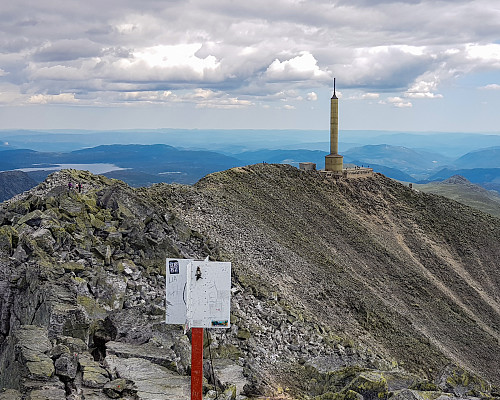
(66, 366)
(10, 394)
(8, 239)
(47, 393)
(408, 394)
(116, 388)
(75, 345)
(371, 385)
(94, 376)
(463, 383)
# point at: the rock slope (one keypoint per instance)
(362, 289)
(14, 182)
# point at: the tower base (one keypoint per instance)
(334, 163)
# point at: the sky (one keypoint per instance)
(226, 64)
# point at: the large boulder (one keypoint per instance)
(25, 363)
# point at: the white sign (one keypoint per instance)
(198, 293)
(176, 278)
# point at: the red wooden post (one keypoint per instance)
(196, 363)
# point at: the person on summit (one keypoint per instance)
(79, 187)
(70, 185)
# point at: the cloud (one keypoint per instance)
(302, 67)
(129, 51)
(491, 86)
(311, 96)
(424, 89)
(365, 96)
(66, 50)
(63, 98)
(399, 102)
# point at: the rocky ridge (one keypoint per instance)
(82, 291)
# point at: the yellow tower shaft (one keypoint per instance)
(334, 161)
(334, 125)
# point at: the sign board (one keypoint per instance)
(198, 293)
(176, 278)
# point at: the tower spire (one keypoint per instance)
(334, 95)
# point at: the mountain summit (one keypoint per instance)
(340, 288)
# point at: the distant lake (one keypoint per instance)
(93, 168)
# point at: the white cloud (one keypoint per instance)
(147, 96)
(491, 86)
(162, 62)
(365, 96)
(206, 98)
(423, 95)
(399, 102)
(302, 67)
(312, 96)
(489, 53)
(370, 96)
(63, 98)
(424, 88)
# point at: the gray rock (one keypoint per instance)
(10, 394)
(148, 351)
(48, 393)
(117, 387)
(58, 350)
(75, 345)
(66, 366)
(153, 382)
(94, 376)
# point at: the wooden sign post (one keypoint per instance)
(196, 363)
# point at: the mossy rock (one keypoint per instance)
(371, 385)
(92, 308)
(71, 206)
(463, 383)
(75, 345)
(8, 239)
(33, 218)
(20, 207)
(94, 377)
(229, 351)
(10, 394)
(424, 386)
(348, 395)
(96, 222)
(73, 267)
(41, 370)
(409, 394)
(243, 334)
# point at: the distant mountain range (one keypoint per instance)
(146, 164)
(450, 144)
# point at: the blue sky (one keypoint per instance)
(400, 65)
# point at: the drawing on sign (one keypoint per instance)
(198, 293)
(209, 295)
